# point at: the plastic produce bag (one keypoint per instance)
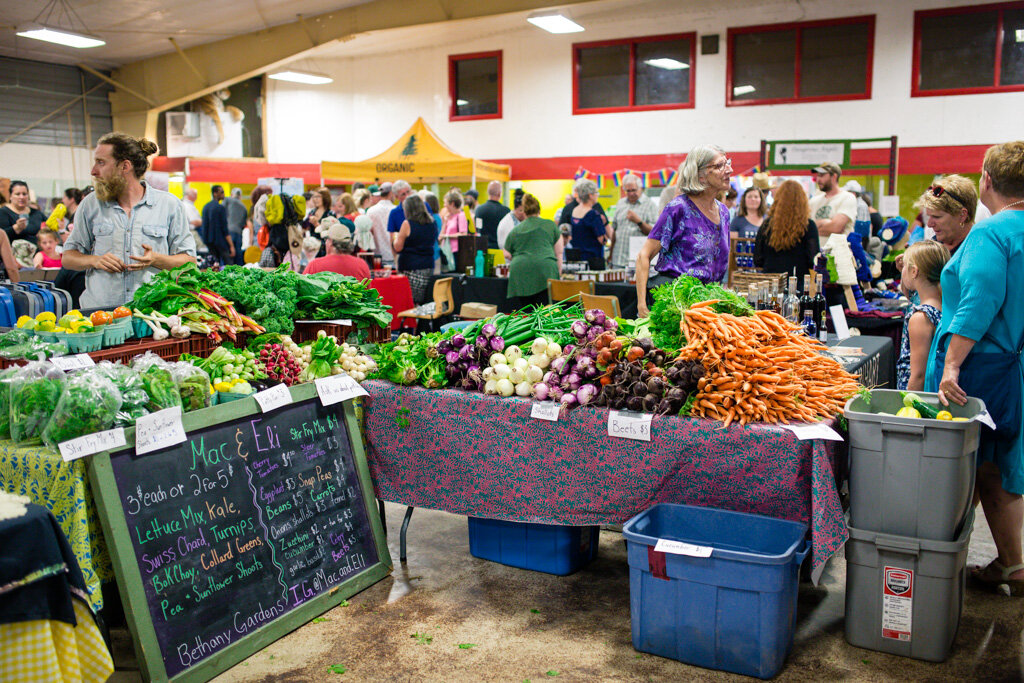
(133, 394)
(5, 401)
(34, 349)
(157, 381)
(88, 403)
(193, 386)
(35, 390)
(14, 338)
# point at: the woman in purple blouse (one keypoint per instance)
(691, 236)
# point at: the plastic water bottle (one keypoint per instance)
(479, 268)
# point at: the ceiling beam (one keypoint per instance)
(166, 81)
(117, 84)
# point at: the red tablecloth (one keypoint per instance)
(477, 455)
(396, 293)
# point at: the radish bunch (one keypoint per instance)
(466, 358)
(280, 364)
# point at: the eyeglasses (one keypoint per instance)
(721, 164)
(938, 191)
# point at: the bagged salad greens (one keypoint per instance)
(35, 391)
(133, 394)
(88, 403)
(193, 386)
(5, 401)
(157, 381)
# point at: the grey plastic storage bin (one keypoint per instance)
(908, 476)
(905, 595)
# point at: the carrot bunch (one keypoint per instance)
(760, 369)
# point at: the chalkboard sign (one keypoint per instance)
(251, 527)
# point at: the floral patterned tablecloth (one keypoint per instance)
(62, 488)
(476, 455)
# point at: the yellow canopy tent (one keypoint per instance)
(418, 157)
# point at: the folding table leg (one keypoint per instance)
(383, 517)
(405, 528)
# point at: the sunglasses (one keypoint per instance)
(938, 191)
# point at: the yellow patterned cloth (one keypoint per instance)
(62, 488)
(42, 650)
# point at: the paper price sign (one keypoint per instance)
(813, 430)
(984, 418)
(679, 548)
(629, 425)
(158, 430)
(338, 388)
(547, 410)
(91, 444)
(272, 398)
(76, 362)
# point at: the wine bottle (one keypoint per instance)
(820, 305)
(791, 304)
(806, 302)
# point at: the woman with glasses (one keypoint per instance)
(980, 339)
(691, 236)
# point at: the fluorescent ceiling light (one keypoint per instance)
(301, 77)
(66, 38)
(667, 63)
(742, 90)
(461, 103)
(554, 22)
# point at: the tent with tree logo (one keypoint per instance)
(418, 156)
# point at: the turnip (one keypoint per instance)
(539, 346)
(578, 329)
(513, 353)
(550, 377)
(502, 370)
(569, 399)
(534, 374)
(541, 360)
(520, 363)
(517, 375)
(452, 357)
(488, 330)
(497, 359)
(554, 350)
(498, 344)
(555, 393)
(586, 394)
(573, 380)
(505, 387)
(458, 341)
(524, 389)
(557, 364)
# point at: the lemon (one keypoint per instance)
(46, 316)
(944, 415)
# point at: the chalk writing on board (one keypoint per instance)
(241, 523)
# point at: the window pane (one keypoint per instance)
(663, 72)
(476, 86)
(1012, 69)
(764, 65)
(958, 50)
(834, 60)
(603, 77)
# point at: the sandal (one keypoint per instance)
(995, 575)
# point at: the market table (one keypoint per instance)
(877, 365)
(494, 290)
(47, 631)
(476, 455)
(62, 488)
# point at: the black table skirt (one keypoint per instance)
(878, 364)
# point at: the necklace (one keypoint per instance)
(1019, 201)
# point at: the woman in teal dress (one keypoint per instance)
(534, 251)
(982, 313)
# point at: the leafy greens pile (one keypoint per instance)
(330, 296)
(413, 360)
(671, 300)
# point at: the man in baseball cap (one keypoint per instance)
(833, 210)
(339, 258)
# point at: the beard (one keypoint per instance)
(109, 189)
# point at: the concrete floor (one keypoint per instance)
(526, 626)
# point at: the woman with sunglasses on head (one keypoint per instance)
(691, 236)
(980, 339)
(948, 208)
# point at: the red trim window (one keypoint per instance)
(634, 74)
(474, 86)
(967, 50)
(810, 61)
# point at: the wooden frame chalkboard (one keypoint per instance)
(147, 609)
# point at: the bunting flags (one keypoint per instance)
(662, 176)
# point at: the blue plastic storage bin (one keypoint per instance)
(733, 610)
(548, 548)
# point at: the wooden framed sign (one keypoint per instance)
(248, 529)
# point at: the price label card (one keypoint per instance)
(813, 430)
(889, 205)
(272, 398)
(679, 548)
(338, 388)
(839, 320)
(76, 362)
(547, 410)
(984, 418)
(91, 444)
(159, 430)
(629, 425)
